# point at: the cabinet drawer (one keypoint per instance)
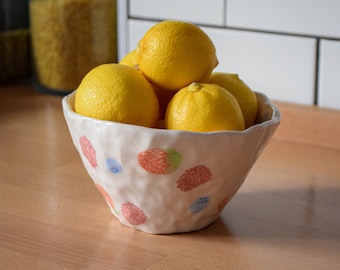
(306, 17)
(210, 12)
(329, 75)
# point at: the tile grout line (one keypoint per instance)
(254, 30)
(317, 72)
(225, 3)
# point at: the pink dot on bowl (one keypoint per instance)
(133, 214)
(105, 195)
(88, 150)
(224, 202)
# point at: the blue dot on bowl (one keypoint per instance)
(199, 204)
(113, 166)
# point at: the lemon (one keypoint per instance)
(130, 59)
(203, 108)
(172, 54)
(242, 92)
(117, 93)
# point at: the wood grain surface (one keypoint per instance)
(285, 216)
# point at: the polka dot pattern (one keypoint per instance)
(159, 160)
(160, 181)
(199, 205)
(113, 166)
(193, 177)
(105, 195)
(133, 214)
(154, 161)
(88, 151)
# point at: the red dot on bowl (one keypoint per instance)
(222, 204)
(159, 160)
(88, 151)
(193, 178)
(133, 214)
(105, 195)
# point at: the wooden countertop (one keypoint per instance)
(285, 216)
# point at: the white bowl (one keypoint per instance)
(130, 167)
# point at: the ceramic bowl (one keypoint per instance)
(164, 181)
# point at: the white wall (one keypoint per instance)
(288, 49)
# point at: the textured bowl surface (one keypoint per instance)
(165, 181)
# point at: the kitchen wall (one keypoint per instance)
(288, 49)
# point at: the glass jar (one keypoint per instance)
(15, 62)
(69, 38)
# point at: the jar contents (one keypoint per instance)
(15, 50)
(69, 38)
(14, 55)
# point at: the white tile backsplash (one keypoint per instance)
(209, 12)
(329, 74)
(273, 45)
(137, 29)
(280, 66)
(306, 17)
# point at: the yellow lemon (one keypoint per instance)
(117, 93)
(172, 54)
(242, 92)
(130, 59)
(203, 108)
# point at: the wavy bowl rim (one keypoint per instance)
(274, 120)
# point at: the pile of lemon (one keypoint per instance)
(168, 82)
